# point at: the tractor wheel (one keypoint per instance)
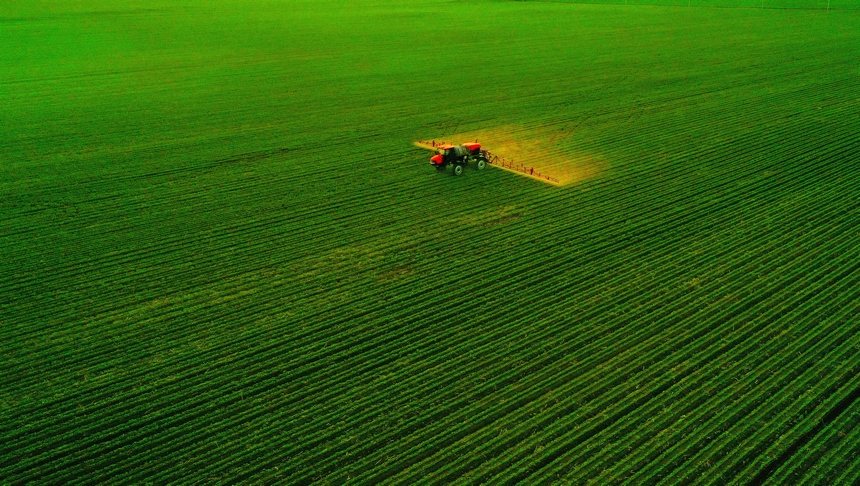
(481, 164)
(440, 168)
(458, 169)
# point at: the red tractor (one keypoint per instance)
(459, 156)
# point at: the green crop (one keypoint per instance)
(223, 260)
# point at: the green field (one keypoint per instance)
(765, 4)
(222, 260)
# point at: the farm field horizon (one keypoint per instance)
(223, 260)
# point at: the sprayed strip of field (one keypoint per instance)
(498, 162)
(549, 149)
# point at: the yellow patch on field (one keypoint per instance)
(497, 216)
(548, 149)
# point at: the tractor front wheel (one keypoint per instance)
(481, 164)
(458, 169)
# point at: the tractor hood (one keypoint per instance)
(436, 159)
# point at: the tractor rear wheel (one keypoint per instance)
(458, 169)
(481, 164)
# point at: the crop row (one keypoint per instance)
(302, 289)
(602, 407)
(307, 366)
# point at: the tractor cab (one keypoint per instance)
(443, 156)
